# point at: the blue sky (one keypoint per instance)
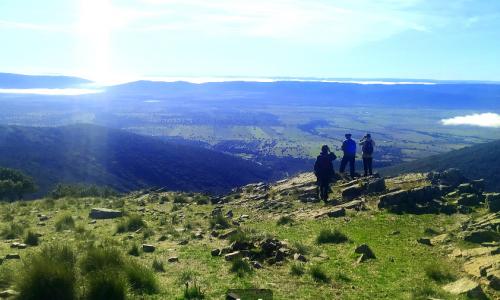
(105, 39)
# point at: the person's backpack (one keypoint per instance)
(368, 147)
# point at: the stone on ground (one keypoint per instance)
(104, 213)
(465, 286)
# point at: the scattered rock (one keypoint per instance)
(42, 218)
(216, 252)
(104, 213)
(469, 200)
(228, 234)
(425, 241)
(481, 236)
(92, 221)
(148, 248)
(465, 286)
(439, 239)
(375, 185)
(256, 265)
(232, 256)
(299, 257)
(333, 213)
(183, 242)
(12, 256)
(8, 294)
(173, 259)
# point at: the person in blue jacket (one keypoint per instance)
(349, 149)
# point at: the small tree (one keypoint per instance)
(14, 184)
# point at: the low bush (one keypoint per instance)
(328, 236)
(65, 222)
(193, 292)
(81, 191)
(131, 223)
(158, 265)
(31, 238)
(141, 279)
(12, 231)
(297, 269)
(49, 274)
(318, 274)
(439, 273)
(106, 284)
(301, 248)
(100, 258)
(219, 219)
(240, 267)
(284, 220)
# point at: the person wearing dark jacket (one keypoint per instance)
(349, 149)
(367, 146)
(323, 169)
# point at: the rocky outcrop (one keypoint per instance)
(467, 287)
(104, 213)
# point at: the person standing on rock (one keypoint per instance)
(323, 169)
(349, 149)
(367, 146)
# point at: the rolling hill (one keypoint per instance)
(477, 161)
(125, 161)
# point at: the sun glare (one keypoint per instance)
(94, 28)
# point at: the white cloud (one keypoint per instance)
(32, 26)
(482, 120)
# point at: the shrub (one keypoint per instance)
(219, 219)
(297, 269)
(134, 250)
(99, 258)
(240, 267)
(81, 191)
(158, 265)
(14, 184)
(31, 238)
(201, 199)
(301, 248)
(318, 274)
(180, 199)
(131, 223)
(283, 220)
(12, 231)
(104, 285)
(6, 276)
(331, 236)
(193, 292)
(140, 278)
(439, 273)
(49, 274)
(65, 222)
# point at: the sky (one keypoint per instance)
(118, 39)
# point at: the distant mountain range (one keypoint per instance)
(477, 161)
(18, 81)
(125, 161)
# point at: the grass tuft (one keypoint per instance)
(240, 267)
(65, 222)
(31, 238)
(328, 236)
(141, 279)
(106, 284)
(158, 265)
(297, 269)
(284, 220)
(439, 273)
(318, 274)
(131, 223)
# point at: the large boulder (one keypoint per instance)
(396, 198)
(352, 192)
(481, 236)
(375, 185)
(104, 213)
(493, 202)
(424, 194)
(469, 200)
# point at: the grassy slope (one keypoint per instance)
(397, 273)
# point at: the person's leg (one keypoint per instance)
(343, 163)
(352, 160)
(370, 165)
(365, 165)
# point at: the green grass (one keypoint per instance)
(31, 238)
(284, 220)
(328, 236)
(49, 274)
(297, 269)
(104, 285)
(318, 274)
(141, 279)
(65, 222)
(241, 267)
(12, 231)
(219, 219)
(130, 223)
(158, 265)
(440, 273)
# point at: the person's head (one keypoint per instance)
(368, 136)
(348, 135)
(325, 149)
